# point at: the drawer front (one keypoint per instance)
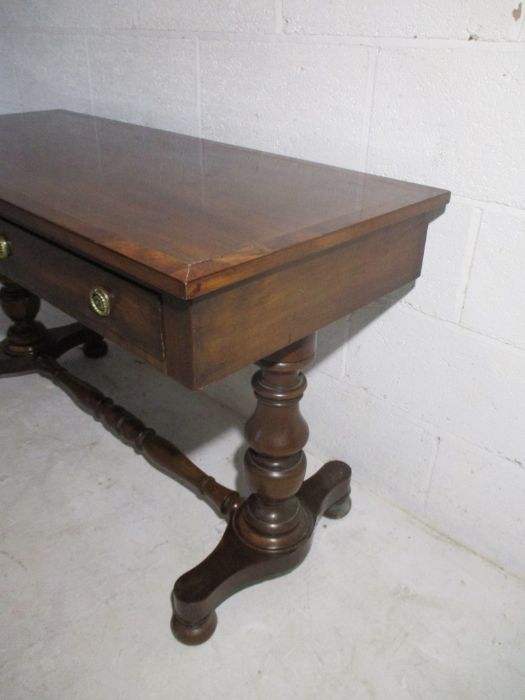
(67, 281)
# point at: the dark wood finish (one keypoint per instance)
(271, 532)
(26, 335)
(275, 462)
(228, 237)
(208, 257)
(234, 564)
(66, 281)
(157, 450)
(27, 339)
(182, 214)
(287, 304)
(198, 342)
(30, 347)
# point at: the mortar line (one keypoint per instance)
(475, 227)
(369, 41)
(489, 205)
(198, 86)
(14, 47)
(433, 429)
(521, 28)
(490, 338)
(346, 349)
(370, 103)
(279, 17)
(89, 72)
(430, 480)
(435, 530)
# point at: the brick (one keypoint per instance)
(201, 15)
(8, 81)
(477, 498)
(388, 452)
(10, 107)
(442, 117)
(450, 242)
(43, 14)
(331, 349)
(479, 19)
(145, 78)
(208, 15)
(74, 14)
(109, 14)
(296, 99)
(52, 71)
(495, 302)
(441, 374)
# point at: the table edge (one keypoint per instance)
(193, 280)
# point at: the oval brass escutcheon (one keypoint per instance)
(5, 248)
(100, 301)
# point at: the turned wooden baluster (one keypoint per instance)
(27, 339)
(273, 517)
(132, 431)
(26, 336)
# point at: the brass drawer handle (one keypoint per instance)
(5, 248)
(100, 301)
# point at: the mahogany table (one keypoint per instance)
(200, 258)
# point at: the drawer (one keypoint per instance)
(67, 281)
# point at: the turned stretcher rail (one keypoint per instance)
(162, 453)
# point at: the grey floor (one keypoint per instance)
(92, 539)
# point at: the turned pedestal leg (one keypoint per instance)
(271, 532)
(27, 339)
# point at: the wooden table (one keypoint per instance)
(200, 258)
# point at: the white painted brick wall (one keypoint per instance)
(440, 291)
(178, 15)
(8, 80)
(399, 453)
(495, 301)
(479, 496)
(442, 115)
(457, 381)
(449, 19)
(130, 81)
(52, 68)
(286, 97)
(424, 391)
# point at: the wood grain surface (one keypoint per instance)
(181, 214)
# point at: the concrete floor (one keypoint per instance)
(92, 539)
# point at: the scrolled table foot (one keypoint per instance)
(237, 563)
(339, 509)
(327, 492)
(232, 566)
(194, 634)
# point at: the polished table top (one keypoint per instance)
(181, 214)
(200, 258)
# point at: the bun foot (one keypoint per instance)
(339, 509)
(194, 634)
(96, 348)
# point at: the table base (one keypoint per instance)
(270, 532)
